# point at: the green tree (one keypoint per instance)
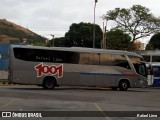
(154, 42)
(35, 39)
(137, 21)
(81, 35)
(39, 44)
(118, 40)
(60, 42)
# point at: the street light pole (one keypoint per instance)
(52, 41)
(106, 35)
(94, 24)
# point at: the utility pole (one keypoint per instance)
(52, 41)
(103, 43)
(94, 24)
(106, 35)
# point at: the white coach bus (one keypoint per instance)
(53, 66)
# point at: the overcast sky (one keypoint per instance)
(47, 17)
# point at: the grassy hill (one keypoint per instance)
(13, 33)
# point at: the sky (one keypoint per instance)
(53, 17)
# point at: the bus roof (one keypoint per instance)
(78, 49)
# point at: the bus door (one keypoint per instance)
(156, 76)
(149, 74)
(142, 71)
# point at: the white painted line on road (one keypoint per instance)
(5, 105)
(103, 113)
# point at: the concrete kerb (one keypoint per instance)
(6, 83)
(4, 78)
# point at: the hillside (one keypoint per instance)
(13, 33)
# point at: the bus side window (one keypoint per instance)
(85, 58)
(146, 58)
(120, 60)
(155, 58)
(96, 59)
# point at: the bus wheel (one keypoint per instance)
(123, 85)
(49, 83)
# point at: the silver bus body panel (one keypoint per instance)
(75, 74)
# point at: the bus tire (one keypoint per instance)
(49, 83)
(123, 85)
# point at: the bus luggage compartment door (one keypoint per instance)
(87, 79)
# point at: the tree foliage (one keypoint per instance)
(137, 21)
(58, 42)
(154, 42)
(118, 40)
(81, 35)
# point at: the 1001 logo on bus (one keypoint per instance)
(52, 70)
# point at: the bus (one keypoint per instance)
(153, 74)
(51, 67)
(152, 59)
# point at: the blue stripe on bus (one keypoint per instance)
(102, 74)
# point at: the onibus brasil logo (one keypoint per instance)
(46, 70)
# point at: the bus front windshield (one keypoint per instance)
(139, 66)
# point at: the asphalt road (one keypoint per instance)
(99, 102)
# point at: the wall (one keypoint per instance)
(4, 54)
(3, 75)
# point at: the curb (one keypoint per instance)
(7, 84)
